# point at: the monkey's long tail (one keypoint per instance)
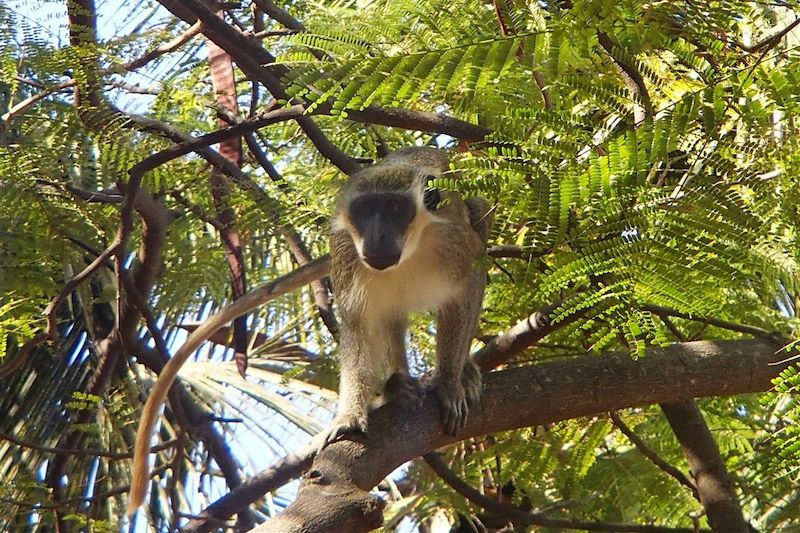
(140, 475)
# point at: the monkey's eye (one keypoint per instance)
(431, 199)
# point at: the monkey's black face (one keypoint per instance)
(382, 220)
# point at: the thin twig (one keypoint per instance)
(724, 324)
(165, 48)
(645, 450)
(768, 42)
(81, 451)
(438, 465)
(52, 308)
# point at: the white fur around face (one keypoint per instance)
(416, 283)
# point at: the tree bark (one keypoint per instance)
(539, 394)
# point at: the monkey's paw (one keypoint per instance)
(472, 382)
(405, 390)
(452, 402)
(342, 426)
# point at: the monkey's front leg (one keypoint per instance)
(400, 387)
(358, 379)
(456, 380)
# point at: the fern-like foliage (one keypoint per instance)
(642, 156)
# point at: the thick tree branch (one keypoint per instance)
(280, 15)
(186, 143)
(708, 469)
(499, 350)
(523, 397)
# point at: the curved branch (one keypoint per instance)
(165, 48)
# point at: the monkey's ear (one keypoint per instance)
(431, 197)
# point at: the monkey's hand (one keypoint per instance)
(345, 424)
(403, 389)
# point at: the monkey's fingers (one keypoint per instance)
(457, 416)
(453, 406)
(344, 426)
(472, 382)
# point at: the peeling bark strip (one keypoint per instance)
(520, 397)
(224, 85)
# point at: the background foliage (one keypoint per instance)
(676, 191)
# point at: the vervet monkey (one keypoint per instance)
(399, 245)
(437, 245)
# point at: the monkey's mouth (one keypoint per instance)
(381, 261)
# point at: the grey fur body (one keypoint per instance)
(437, 270)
